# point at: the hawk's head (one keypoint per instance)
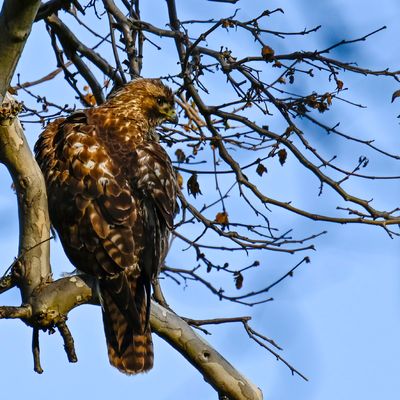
(150, 97)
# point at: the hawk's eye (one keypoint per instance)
(161, 100)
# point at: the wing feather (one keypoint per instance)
(91, 206)
(152, 173)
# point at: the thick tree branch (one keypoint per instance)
(16, 19)
(53, 302)
(217, 371)
(32, 267)
(11, 312)
(31, 270)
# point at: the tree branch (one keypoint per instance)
(16, 19)
(32, 267)
(11, 312)
(6, 283)
(217, 371)
(56, 299)
(53, 6)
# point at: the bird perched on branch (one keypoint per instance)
(112, 199)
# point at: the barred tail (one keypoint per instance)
(125, 319)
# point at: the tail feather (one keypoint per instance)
(128, 336)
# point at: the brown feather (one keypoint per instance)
(112, 199)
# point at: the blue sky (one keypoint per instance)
(338, 319)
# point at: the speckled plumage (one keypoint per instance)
(112, 199)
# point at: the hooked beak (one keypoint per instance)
(172, 116)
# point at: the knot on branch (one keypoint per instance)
(9, 111)
(38, 316)
(45, 318)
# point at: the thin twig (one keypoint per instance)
(68, 341)
(36, 351)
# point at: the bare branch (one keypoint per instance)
(51, 75)
(10, 312)
(218, 372)
(52, 6)
(36, 351)
(68, 341)
(33, 266)
(58, 298)
(6, 282)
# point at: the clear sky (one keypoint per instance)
(338, 319)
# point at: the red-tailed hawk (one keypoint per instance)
(112, 199)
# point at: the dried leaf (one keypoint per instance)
(261, 169)
(328, 99)
(179, 180)
(195, 150)
(282, 154)
(312, 101)
(193, 186)
(90, 99)
(322, 107)
(222, 218)
(339, 85)
(12, 91)
(238, 277)
(301, 109)
(228, 23)
(267, 53)
(86, 88)
(180, 155)
(396, 94)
